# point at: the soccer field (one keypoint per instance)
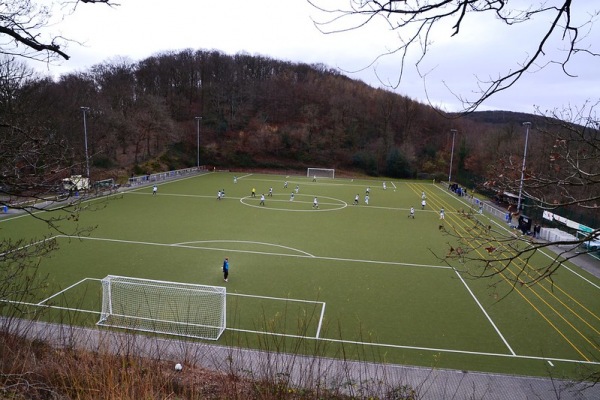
(359, 281)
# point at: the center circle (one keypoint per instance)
(300, 202)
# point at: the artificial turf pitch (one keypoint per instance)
(359, 281)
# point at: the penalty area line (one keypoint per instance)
(62, 291)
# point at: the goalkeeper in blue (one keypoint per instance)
(226, 269)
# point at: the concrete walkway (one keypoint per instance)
(361, 379)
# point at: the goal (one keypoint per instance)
(320, 173)
(171, 308)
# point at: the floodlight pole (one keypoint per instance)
(526, 125)
(198, 142)
(87, 158)
(451, 156)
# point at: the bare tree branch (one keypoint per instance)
(416, 21)
(25, 28)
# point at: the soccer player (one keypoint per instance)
(356, 199)
(154, 189)
(297, 188)
(270, 192)
(253, 192)
(235, 179)
(384, 186)
(442, 214)
(412, 213)
(219, 195)
(368, 190)
(315, 203)
(226, 269)
(292, 197)
(314, 178)
(367, 199)
(285, 184)
(262, 200)
(423, 204)
(423, 196)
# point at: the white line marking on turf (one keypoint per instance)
(320, 321)
(274, 298)
(62, 291)
(264, 253)
(431, 349)
(485, 313)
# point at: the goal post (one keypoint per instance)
(320, 173)
(170, 308)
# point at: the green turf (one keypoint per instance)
(375, 275)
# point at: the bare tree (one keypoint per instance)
(34, 158)
(417, 22)
(25, 27)
(562, 176)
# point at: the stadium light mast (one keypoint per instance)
(87, 158)
(198, 142)
(451, 156)
(526, 125)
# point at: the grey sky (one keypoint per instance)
(283, 29)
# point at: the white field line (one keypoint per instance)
(49, 306)
(485, 313)
(440, 350)
(62, 291)
(244, 176)
(263, 252)
(28, 245)
(275, 298)
(576, 273)
(320, 321)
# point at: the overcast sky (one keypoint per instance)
(284, 30)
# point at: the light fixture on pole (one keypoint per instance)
(451, 156)
(198, 142)
(526, 125)
(87, 158)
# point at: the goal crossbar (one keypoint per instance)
(171, 308)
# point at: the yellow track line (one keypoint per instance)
(526, 299)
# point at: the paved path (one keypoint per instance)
(356, 378)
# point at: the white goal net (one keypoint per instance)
(170, 308)
(320, 173)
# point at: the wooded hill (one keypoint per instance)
(256, 113)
